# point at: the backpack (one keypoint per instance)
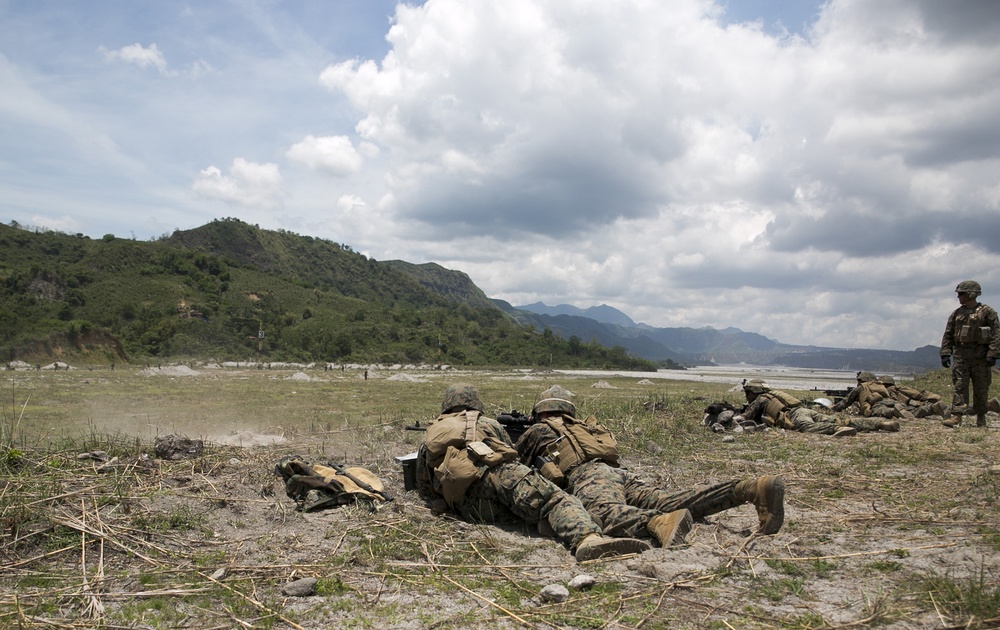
(582, 441)
(315, 486)
(459, 450)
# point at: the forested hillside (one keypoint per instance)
(230, 290)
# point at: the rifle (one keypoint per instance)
(516, 423)
(342, 470)
(837, 393)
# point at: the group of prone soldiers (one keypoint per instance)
(875, 404)
(563, 476)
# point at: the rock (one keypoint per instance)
(728, 438)
(555, 593)
(653, 448)
(100, 456)
(177, 447)
(582, 582)
(109, 465)
(300, 588)
(219, 574)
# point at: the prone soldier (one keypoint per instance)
(468, 464)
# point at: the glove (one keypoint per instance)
(991, 361)
(946, 361)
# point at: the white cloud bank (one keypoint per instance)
(826, 186)
(692, 173)
(248, 184)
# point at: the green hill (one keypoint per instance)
(232, 291)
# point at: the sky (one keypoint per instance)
(822, 173)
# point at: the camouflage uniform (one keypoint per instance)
(972, 340)
(619, 499)
(873, 399)
(920, 402)
(503, 493)
(768, 407)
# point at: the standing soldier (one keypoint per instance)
(970, 346)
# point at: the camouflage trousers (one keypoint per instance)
(970, 368)
(623, 503)
(891, 409)
(809, 420)
(512, 493)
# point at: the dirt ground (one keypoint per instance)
(895, 530)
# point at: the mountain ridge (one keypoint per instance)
(707, 345)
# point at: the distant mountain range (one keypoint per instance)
(704, 346)
(230, 289)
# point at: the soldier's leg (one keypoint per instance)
(533, 498)
(481, 503)
(993, 404)
(810, 421)
(981, 377)
(701, 501)
(871, 424)
(602, 491)
(961, 377)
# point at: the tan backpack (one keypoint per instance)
(582, 441)
(459, 452)
(315, 486)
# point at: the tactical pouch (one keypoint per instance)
(965, 335)
(548, 469)
(456, 473)
(481, 453)
(984, 334)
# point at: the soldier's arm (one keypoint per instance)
(994, 323)
(755, 410)
(948, 339)
(533, 442)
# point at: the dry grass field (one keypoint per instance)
(891, 530)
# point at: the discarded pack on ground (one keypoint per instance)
(317, 486)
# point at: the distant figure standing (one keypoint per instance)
(970, 346)
(366, 375)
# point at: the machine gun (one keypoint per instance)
(838, 394)
(516, 423)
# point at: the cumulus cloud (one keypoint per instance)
(334, 155)
(248, 184)
(653, 149)
(824, 185)
(138, 55)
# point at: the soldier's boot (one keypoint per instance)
(889, 425)
(597, 546)
(993, 404)
(953, 421)
(934, 409)
(767, 495)
(981, 420)
(845, 432)
(671, 528)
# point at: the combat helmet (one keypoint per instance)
(555, 398)
(887, 379)
(755, 386)
(866, 376)
(554, 404)
(969, 286)
(461, 397)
